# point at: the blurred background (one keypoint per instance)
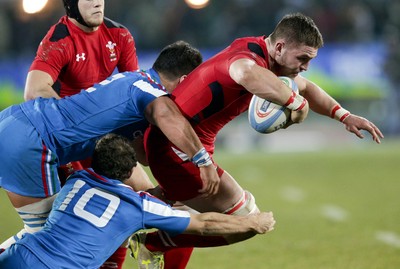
(359, 64)
(336, 197)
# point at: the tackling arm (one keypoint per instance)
(163, 113)
(39, 83)
(233, 228)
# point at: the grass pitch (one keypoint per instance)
(335, 209)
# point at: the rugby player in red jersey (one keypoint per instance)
(218, 91)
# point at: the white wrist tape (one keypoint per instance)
(201, 158)
(295, 102)
(339, 113)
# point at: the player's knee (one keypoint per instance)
(246, 205)
(34, 215)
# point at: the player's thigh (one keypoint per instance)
(27, 167)
(19, 257)
(229, 193)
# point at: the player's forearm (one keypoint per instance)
(259, 81)
(220, 224)
(39, 84)
(139, 180)
(175, 127)
(319, 101)
(45, 92)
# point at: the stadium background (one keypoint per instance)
(359, 65)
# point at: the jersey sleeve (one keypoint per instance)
(144, 92)
(51, 57)
(247, 55)
(128, 60)
(157, 214)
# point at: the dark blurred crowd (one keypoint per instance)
(154, 23)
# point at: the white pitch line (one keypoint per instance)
(334, 213)
(293, 194)
(389, 238)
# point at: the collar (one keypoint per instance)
(153, 75)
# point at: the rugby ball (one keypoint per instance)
(266, 117)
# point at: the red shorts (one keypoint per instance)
(64, 171)
(178, 177)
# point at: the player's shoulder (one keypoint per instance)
(59, 31)
(254, 44)
(110, 24)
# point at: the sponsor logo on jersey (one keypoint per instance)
(111, 47)
(80, 57)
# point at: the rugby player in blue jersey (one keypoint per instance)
(95, 212)
(39, 135)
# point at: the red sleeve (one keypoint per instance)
(51, 57)
(247, 55)
(128, 60)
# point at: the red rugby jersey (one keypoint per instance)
(77, 60)
(209, 97)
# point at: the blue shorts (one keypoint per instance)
(19, 257)
(27, 166)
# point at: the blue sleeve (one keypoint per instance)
(157, 214)
(144, 92)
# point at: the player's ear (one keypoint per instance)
(182, 78)
(279, 47)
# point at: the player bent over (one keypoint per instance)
(95, 212)
(219, 90)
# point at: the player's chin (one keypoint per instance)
(95, 21)
(291, 75)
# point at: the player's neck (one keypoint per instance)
(84, 28)
(168, 84)
(270, 49)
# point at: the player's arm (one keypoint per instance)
(263, 83)
(39, 83)
(239, 227)
(139, 180)
(128, 60)
(138, 145)
(163, 113)
(322, 103)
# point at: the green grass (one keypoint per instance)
(363, 185)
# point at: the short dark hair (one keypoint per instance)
(298, 28)
(177, 59)
(114, 157)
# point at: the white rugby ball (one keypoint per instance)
(267, 117)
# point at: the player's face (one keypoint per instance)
(92, 11)
(294, 58)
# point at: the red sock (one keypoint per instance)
(178, 249)
(116, 260)
(177, 258)
(160, 241)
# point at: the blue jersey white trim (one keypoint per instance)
(91, 217)
(66, 129)
(70, 126)
(161, 210)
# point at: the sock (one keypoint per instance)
(160, 241)
(116, 260)
(177, 258)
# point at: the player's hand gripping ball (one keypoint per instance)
(266, 117)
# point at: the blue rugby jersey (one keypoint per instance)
(71, 125)
(91, 218)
